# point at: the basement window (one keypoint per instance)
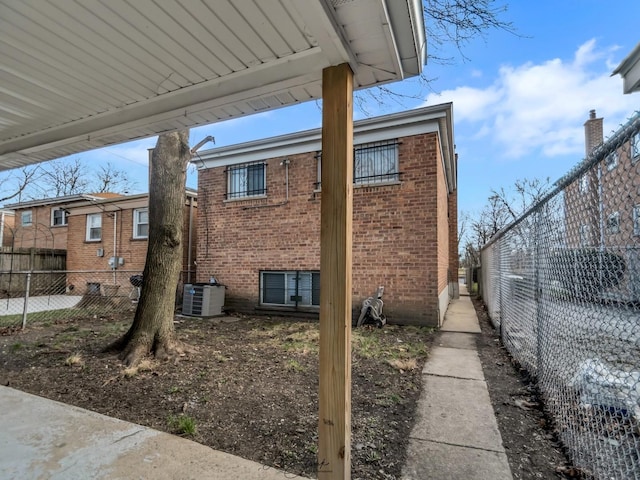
(290, 288)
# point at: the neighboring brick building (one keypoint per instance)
(96, 229)
(7, 227)
(259, 220)
(43, 223)
(602, 206)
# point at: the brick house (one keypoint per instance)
(7, 227)
(101, 233)
(43, 223)
(259, 223)
(602, 206)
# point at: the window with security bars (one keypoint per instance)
(373, 163)
(635, 147)
(247, 180)
(636, 219)
(290, 288)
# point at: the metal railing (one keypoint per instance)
(562, 284)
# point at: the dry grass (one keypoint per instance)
(145, 365)
(403, 364)
(75, 359)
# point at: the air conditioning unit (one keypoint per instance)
(202, 299)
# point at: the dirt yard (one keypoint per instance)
(251, 389)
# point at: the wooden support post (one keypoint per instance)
(334, 450)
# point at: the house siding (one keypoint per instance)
(401, 232)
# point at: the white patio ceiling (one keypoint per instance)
(78, 75)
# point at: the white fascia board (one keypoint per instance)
(411, 42)
(43, 202)
(629, 70)
(404, 124)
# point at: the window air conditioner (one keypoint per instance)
(202, 299)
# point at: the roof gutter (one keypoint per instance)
(410, 43)
(629, 70)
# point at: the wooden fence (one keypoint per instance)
(16, 262)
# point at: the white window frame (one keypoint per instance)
(635, 147)
(26, 214)
(611, 160)
(238, 181)
(91, 217)
(585, 235)
(613, 223)
(292, 280)
(636, 220)
(137, 223)
(65, 217)
(584, 183)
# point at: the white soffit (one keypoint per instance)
(79, 75)
(629, 70)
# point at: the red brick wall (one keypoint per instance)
(40, 234)
(395, 232)
(443, 227)
(454, 259)
(82, 255)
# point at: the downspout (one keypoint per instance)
(115, 245)
(2, 220)
(189, 258)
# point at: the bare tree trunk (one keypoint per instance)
(152, 330)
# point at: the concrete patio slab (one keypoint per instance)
(465, 341)
(44, 439)
(457, 412)
(437, 461)
(454, 362)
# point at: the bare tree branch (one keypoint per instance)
(15, 184)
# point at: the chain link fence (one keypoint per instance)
(29, 297)
(562, 285)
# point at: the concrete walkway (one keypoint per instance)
(43, 439)
(456, 433)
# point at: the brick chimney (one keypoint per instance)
(593, 135)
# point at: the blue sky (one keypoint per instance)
(519, 102)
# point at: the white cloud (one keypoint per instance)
(542, 107)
